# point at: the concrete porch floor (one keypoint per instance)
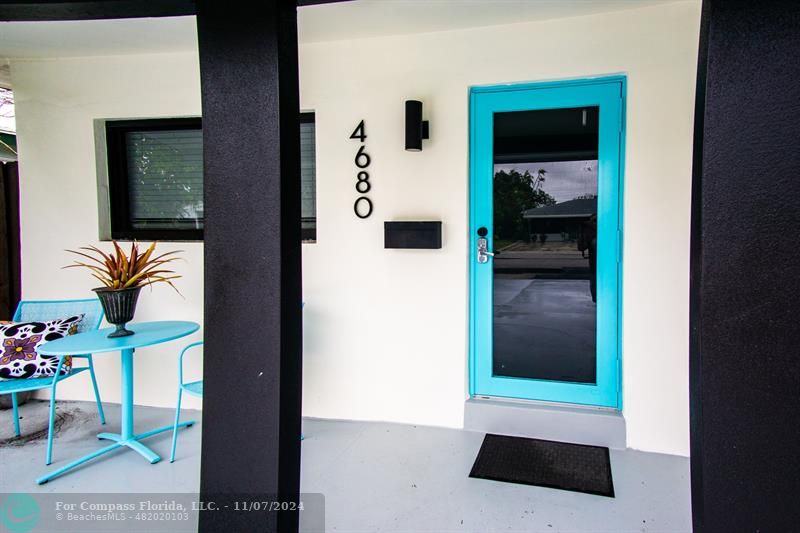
(375, 476)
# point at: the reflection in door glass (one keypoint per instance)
(545, 241)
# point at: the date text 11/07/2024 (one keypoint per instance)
(249, 506)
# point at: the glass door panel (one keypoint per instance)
(545, 228)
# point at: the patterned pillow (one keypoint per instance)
(19, 347)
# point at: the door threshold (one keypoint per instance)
(579, 424)
(546, 404)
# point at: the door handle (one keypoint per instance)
(483, 251)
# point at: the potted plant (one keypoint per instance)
(123, 276)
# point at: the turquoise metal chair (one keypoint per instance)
(195, 388)
(40, 310)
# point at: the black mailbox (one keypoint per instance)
(425, 235)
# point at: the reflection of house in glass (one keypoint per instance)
(564, 221)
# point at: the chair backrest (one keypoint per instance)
(40, 310)
(180, 359)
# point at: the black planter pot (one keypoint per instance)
(119, 306)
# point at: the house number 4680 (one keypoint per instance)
(363, 205)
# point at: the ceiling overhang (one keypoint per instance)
(32, 11)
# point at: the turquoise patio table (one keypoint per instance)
(95, 342)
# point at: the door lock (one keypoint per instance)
(483, 246)
(483, 251)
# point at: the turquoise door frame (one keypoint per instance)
(609, 94)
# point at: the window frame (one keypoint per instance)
(118, 179)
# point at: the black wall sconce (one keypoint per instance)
(416, 128)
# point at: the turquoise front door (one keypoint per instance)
(546, 240)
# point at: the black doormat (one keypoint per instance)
(545, 463)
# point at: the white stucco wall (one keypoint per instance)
(57, 101)
(386, 331)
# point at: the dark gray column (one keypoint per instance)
(10, 268)
(252, 362)
(745, 289)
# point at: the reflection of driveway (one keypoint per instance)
(537, 261)
(544, 329)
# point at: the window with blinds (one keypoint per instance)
(308, 176)
(165, 179)
(155, 171)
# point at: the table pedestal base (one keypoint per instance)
(132, 443)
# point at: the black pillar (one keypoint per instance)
(745, 286)
(10, 268)
(252, 361)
